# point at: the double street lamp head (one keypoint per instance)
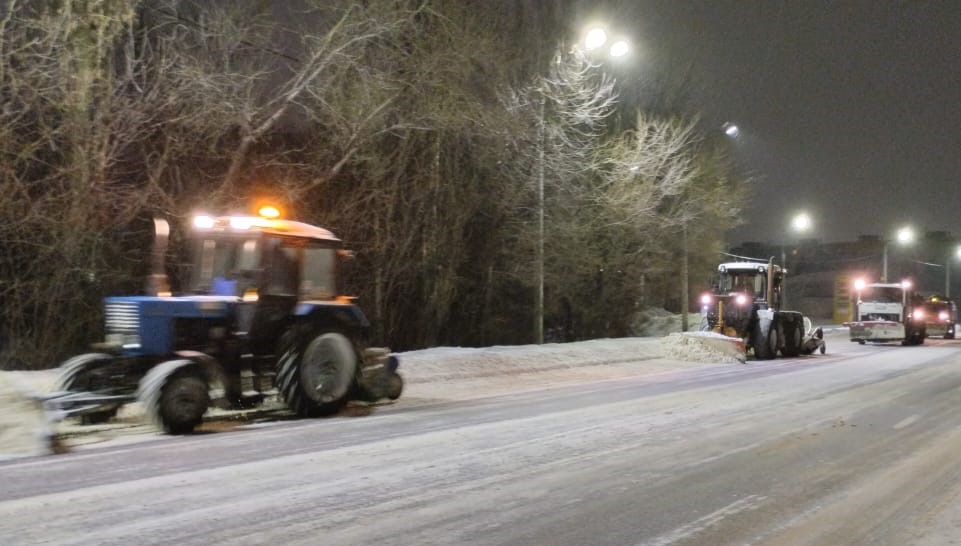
(596, 38)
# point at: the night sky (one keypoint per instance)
(850, 110)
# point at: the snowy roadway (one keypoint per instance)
(862, 446)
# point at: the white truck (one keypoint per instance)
(887, 312)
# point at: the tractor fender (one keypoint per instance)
(765, 318)
(212, 369)
(345, 315)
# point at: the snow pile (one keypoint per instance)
(704, 347)
(654, 322)
(24, 429)
(450, 363)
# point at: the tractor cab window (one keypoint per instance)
(319, 279)
(282, 273)
(746, 282)
(225, 266)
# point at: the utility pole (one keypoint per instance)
(684, 281)
(539, 266)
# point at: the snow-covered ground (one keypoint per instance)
(431, 375)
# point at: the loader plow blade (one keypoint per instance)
(704, 347)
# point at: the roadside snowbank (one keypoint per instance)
(451, 363)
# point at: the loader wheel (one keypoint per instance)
(175, 396)
(88, 373)
(765, 347)
(793, 340)
(317, 374)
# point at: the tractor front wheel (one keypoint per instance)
(175, 395)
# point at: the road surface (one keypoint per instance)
(862, 446)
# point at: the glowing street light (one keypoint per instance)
(595, 38)
(801, 222)
(731, 130)
(620, 48)
(905, 235)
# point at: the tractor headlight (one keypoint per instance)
(124, 341)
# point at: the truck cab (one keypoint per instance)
(940, 315)
(886, 312)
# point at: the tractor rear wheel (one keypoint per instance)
(88, 373)
(793, 339)
(175, 395)
(317, 374)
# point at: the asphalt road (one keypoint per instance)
(862, 446)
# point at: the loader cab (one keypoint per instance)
(751, 280)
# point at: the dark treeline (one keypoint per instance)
(418, 131)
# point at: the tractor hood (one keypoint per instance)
(143, 325)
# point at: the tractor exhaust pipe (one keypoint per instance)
(157, 282)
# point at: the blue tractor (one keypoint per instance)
(262, 313)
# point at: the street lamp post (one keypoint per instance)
(956, 255)
(800, 223)
(904, 236)
(731, 131)
(594, 39)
